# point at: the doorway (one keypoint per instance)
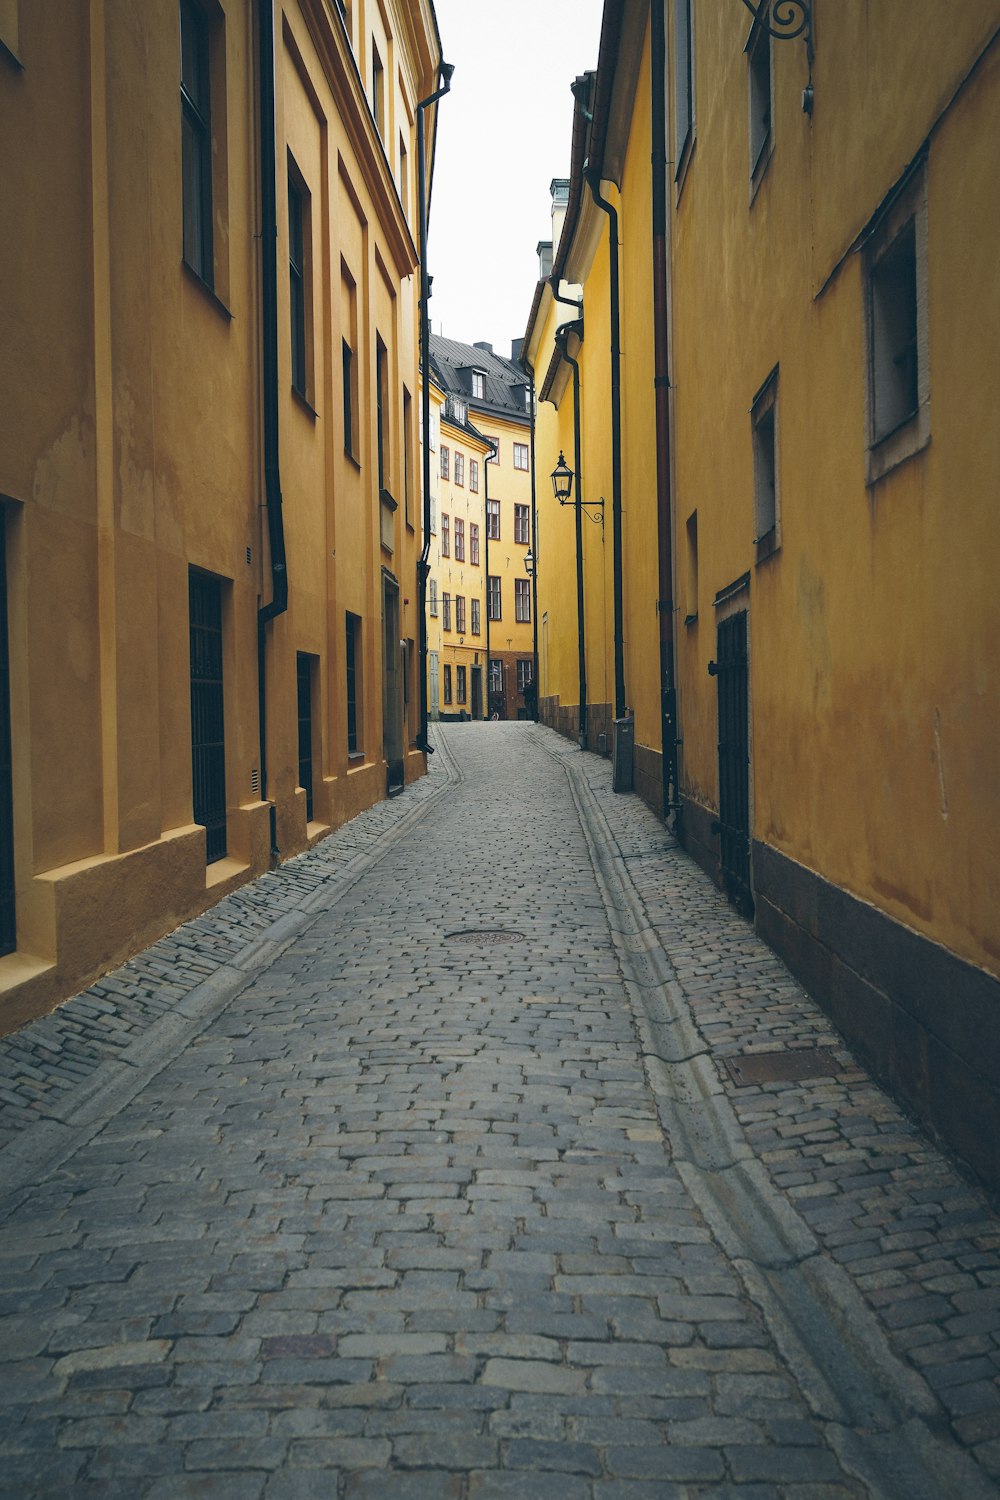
(392, 687)
(477, 693)
(732, 680)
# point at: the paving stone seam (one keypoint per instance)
(41, 1147)
(805, 1298)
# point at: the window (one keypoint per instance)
(208, 739)
(407, 446)
(447, 684)
(404, 181)
(353, 684)
(349, 324)
(196, 145)
(493, 597)
(433, 600)
(434, 512)
(445, 611)
(459, 540)
(299, 277)
(382, 412)
(474, 544)
(493, 520)
(460, 613)
(474, 476)
(520, 455)
(522, 599)
(8, 43)
(445, 461)
(460, 468)
(764, 425)
(898, 366)
(683, 87)
(378, 90)
(692, 568)
(496, 675)
(475, 616)
(494, 457)
(522, 523)
(460, 676)
(759, 79)
(445, 535)
(478, 385)
(524, 673)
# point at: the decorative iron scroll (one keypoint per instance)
(783, 19)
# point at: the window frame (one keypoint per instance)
(760, 81)
(475, 622)
(461, 683)
(765, 437)
(459, 470)
(444, 461)
(460, 614)
(493, 520)
(683, 89)
(522, 450)
(446, 684)
(445, 535)
(432, 598)
(522, 601)
(886, 449)
(479, 385)
(354, 682)
(300, 281)
(459, 539)
(522, 523)
(474, 476)
(197, 187)
(473, 544)
(494, 597)
(445, 611)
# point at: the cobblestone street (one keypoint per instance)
(414, 1171)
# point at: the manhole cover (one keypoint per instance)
(781, 1067)
(485, 937)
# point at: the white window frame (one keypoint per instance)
(522, 450)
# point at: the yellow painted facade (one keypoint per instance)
(833, 308)
(456, 600)
(493, 393)
(132, 468)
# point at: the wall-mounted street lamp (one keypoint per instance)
(562, 488)
(783, 19)
(529, 563)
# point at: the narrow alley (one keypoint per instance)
(414, 1171)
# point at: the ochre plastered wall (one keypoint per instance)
(131, 395)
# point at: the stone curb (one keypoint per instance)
(40, 1148)
(829, 1337)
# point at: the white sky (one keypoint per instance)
(504, 132)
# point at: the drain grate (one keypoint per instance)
(781, 1067)
(485, 937)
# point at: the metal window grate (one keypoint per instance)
(8, 923)
(303, 669)
(208, 751)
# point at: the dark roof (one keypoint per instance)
(452, 365)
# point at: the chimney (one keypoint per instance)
(544, 252)
(559, 188)
(482, 344)
(516, 345)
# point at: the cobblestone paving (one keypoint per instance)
(406, 1218)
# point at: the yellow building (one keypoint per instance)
(494, 394)
(209, 458)
(456, 583)
(808, 517)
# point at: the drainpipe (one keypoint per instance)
(269, 339)
(486, 570)
(534, 549)
(661, 386)
(445, 72)
(561, 338)
(593, 182)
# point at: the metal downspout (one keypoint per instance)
(661, 386)
(486, 574)
(574, 365)
(423, 568)
(269, 340)
(534, 550)
(593, 182)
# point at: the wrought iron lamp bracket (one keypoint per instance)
(586, 506)
(784, 19)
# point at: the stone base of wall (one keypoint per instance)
(647, 771)
(563, 718)
(924, 1022)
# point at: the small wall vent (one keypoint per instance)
(255, 782)
(249, 556)
(602, 744)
